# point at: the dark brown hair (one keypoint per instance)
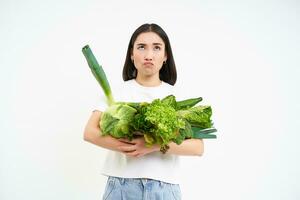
(168, 71)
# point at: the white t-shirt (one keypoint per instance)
(158, 166)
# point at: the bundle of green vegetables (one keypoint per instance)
(160, 122)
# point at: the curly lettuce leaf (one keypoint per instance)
(159, 122)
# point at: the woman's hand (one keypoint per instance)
(136, 147)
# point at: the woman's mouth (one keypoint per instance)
(148, 63)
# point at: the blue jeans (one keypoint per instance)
(140, 189)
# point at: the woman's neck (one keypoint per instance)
(148, 81)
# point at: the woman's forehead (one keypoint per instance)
(149, 38)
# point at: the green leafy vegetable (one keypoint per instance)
(117, 121)
(158, 120)
(198, 116)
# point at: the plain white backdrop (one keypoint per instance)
(242, 57)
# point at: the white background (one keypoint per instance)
(242, 57)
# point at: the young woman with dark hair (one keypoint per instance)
(135, 171)
(168, 71)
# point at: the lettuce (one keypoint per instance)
(159, 122)
(117, 121)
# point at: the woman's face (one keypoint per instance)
(148, 54)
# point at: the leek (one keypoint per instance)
(98, 73)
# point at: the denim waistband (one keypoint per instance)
(142, 181)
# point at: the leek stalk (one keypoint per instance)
(98, 73)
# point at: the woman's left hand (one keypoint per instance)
(137, 147)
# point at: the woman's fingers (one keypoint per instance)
(126, 141)
(139, 141)
(127, 148)
(135, 147)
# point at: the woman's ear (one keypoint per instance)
(166, 56)
(131, 54)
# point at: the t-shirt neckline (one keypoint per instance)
(148, 87)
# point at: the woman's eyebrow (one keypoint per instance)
(152, 43)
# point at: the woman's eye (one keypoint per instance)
(157, 47)
(141, 47)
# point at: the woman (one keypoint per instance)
(135, 171)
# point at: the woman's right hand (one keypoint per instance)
(137, 147)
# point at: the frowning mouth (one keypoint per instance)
(148, 63)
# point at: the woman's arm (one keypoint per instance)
(136, 147)
(189, 147)
(92, 134)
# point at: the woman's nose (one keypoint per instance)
(149, 55)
